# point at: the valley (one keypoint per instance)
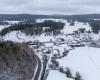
(70, 54)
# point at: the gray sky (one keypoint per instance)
(50, 6)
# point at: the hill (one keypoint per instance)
(17, 61)
(21, 17)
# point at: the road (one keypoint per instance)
(38, 69)
(44, 68)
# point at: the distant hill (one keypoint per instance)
(21, 17)
(84, 17)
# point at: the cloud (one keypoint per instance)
(50, 6)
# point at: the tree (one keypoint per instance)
(82, 30)
(78, 76)
(68, 73)
(95, 26)
(61, 69)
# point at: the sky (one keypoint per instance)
(50, 7)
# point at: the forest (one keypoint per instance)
(34, 28)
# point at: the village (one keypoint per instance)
(57, 48)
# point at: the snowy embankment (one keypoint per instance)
(84, 60)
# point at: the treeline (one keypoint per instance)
(95, 26)
(82, 17)
(52, 24)
(21, 17)
(4, 23)
(34, 28)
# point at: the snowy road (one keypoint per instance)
(38, 69)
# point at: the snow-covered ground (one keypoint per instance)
(84, 60)
(18, 36)
(13, 22)
(42, 20)
(69, 29)
(2, 27)
(56, 75)
(10, 23)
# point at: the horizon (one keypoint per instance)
(47, 14)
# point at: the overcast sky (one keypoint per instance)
(50, 6)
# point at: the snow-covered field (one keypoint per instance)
(18, 36)
(84, 60)
(69, 29)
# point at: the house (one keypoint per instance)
(46, 28)
(56, 53)
(35, 45)
(76, 45)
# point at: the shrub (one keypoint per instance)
(68, 73)
(78, 76)
(61, 70)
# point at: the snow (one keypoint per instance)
(96, 19)
(61, 48)
(18, 36)
(49, 44)
(84, 60)
(42, 20)
(69, 29)
(3, 26)
(44, 38)
(13, 22)
(95, 36)
(10, 22)
(56, 75)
